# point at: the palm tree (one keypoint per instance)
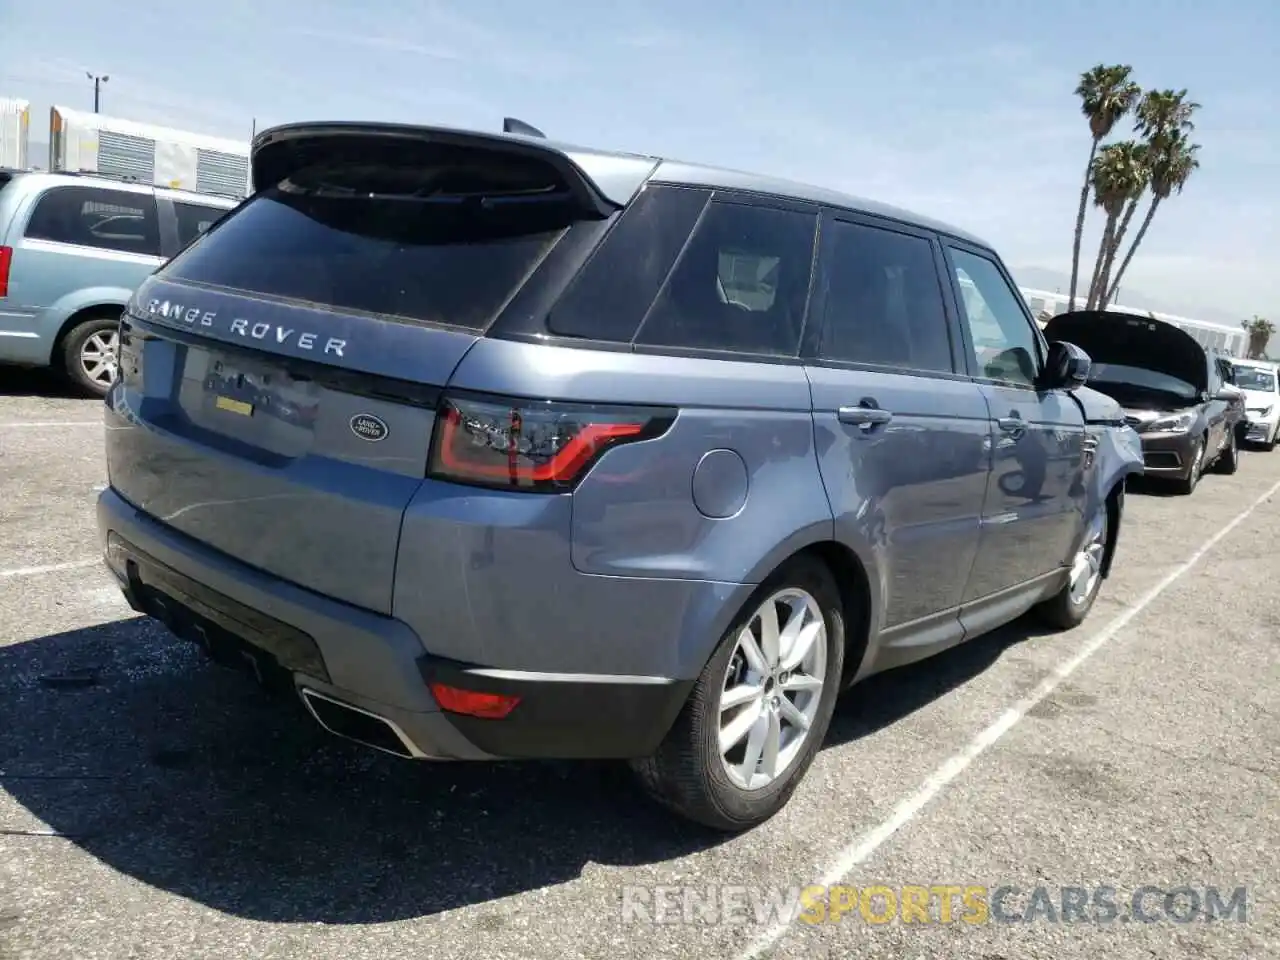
(1106, 95)
(1260, 330)
(1132, 169)
(1164, 120)
(1118, 172)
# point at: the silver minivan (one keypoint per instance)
(73, 248)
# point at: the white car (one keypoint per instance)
(1261, 385)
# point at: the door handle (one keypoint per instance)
(1014, 426)
(864, 416)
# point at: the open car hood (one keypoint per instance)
(1134, 340)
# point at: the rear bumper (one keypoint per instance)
(368, 676)
(23, 341)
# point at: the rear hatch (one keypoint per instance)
(279, 377)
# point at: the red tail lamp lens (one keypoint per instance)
(531, 445)
(487, 706)
(6, 259)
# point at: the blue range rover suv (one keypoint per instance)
(491, 447)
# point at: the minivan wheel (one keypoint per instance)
(89, 354)
(1069, 606)
(760, 710)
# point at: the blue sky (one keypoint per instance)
(963, 111)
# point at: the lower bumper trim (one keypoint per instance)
(565, 717)
(195, 612)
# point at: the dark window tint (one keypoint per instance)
(883, 301)
(741, 284)
(441, 244)
(610, 296)
(93, 217)
(1004, 341)
(194, 219)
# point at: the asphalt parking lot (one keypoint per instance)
(155, 806)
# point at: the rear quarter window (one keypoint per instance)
(445, 247)
(741, 283)
(104, 219)
(194, 219)
(689, 269)
(609, 298)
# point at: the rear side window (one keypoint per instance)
(611, 295)
(447, 245)
(194, 219)
(883, 301)
(95, 217)
(740, 285)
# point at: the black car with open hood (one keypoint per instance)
(1169, 386)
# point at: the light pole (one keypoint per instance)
(97, 87)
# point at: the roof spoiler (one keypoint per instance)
(281, 151)
(512, 125)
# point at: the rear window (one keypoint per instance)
(444, 245)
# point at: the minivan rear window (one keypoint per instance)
(434, 246)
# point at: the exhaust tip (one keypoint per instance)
(354, 723)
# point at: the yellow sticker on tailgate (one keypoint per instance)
(234, 406)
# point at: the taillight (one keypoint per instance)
(6, 258)
(542, 446)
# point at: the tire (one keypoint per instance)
(688, 773)
(1187, 485)
(1270, 443)
(100, 332)
(1229, 459)
(1069, 607)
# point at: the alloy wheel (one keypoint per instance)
(98, 357)
(772, 688)
(1086, 568)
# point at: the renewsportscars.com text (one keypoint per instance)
(973, 904)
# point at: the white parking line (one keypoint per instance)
(907, 809)
(49, 568)
(28, 424)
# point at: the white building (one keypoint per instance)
(15, 119)
(93, 143)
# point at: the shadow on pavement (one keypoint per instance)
(884, 699)
(28, 382)
(188, 777)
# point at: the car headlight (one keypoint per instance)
(1266, 411)
(1175, 424)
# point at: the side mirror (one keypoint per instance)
(1227, 394)
(1066, 367)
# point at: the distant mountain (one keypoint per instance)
(1040, 278)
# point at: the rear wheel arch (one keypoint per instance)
(854, 585)
(106, 311)
(66, 354)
